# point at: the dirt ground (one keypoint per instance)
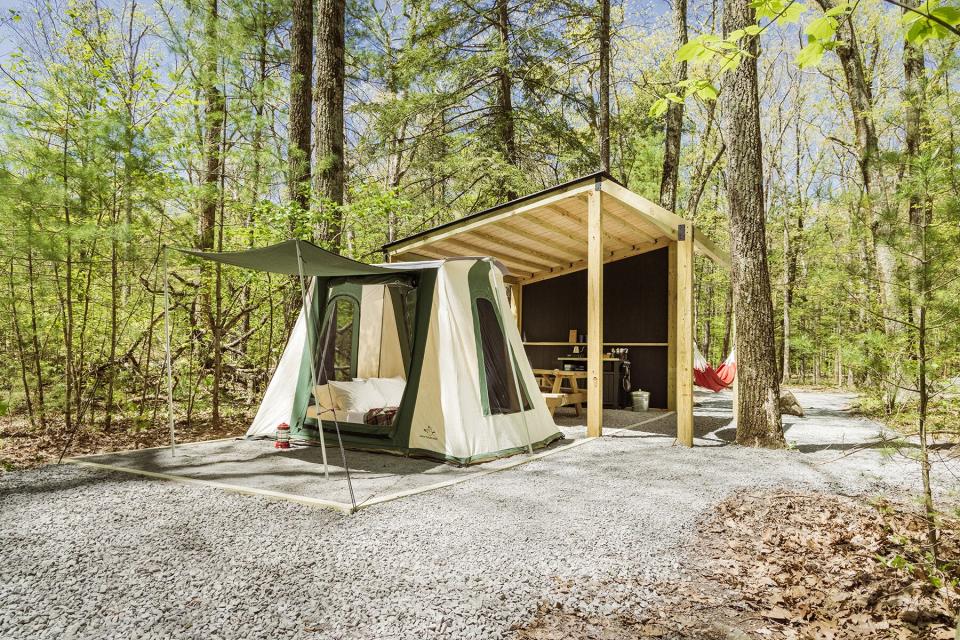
(778, 565)
(23, 448)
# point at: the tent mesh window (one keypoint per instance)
(501, 386)
(344, 321)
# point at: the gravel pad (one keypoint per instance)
(91, 554)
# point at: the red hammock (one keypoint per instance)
(713, 379)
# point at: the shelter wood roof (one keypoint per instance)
(544, 235)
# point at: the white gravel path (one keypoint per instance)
(87, 554)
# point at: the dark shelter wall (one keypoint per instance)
(634, 310)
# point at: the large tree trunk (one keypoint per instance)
(758, 391)
(916, 130)
(505, 124)
(605, 85)
(328, 173)
(674, 118)
(301, 100)
(38, 369)
(881, 215)
(212, 130)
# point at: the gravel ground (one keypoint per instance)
(88, 554)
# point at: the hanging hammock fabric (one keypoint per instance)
(728, 370)
(713, 379)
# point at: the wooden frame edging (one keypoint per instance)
(333, 504)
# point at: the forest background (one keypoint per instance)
(133, 125)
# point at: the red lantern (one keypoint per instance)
(283, 436)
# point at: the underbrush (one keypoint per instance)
(943, 416)
(23, 446)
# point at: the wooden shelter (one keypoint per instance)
(566, 248)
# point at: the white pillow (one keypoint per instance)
(357, 396)
(390, 388)
(324, 397)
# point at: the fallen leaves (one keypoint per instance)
(22, 447)
(822, 566)
(797, 566)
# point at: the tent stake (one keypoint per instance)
(313, 372)
(167, 358)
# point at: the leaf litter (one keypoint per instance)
(777, 565)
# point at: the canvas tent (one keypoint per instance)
(437, 335)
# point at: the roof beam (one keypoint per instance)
(571, 247)
(439, 253)
(550, 260)
(522, 263)
(666, 220)
(660, 217)
(608, 256)
(569, 215)
(506, 212)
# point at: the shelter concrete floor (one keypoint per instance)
(257, 467)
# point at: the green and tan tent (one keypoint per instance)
(419, 359)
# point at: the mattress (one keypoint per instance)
(339, 415)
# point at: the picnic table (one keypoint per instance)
(561, 388)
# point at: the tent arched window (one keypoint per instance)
(342, 333)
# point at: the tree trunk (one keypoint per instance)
(67, 296)
(328, 173)
(214, 116)
(915, 134)
(213, 130)
(505, 124)
(880, 215)
(758, 391)
(38, 369)
(605, 85)
(674, 118)
(21, 353)
(301, 100)
(787, 302)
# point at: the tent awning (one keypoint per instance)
(282, 258)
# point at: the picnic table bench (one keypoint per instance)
(561, 389)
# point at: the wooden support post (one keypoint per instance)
(684, 329)
(672, 326)
(595, 313)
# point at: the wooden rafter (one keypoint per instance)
(607, 237)
(562, 240)
(513, 248)
(503, 213)
(477, 250)
(608, 256)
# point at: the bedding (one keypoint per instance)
(339, 415)
(391, 389)
(357, 396)
(382, 416)
(322, 394)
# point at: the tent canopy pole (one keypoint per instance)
(316, 381)
(313, 373)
